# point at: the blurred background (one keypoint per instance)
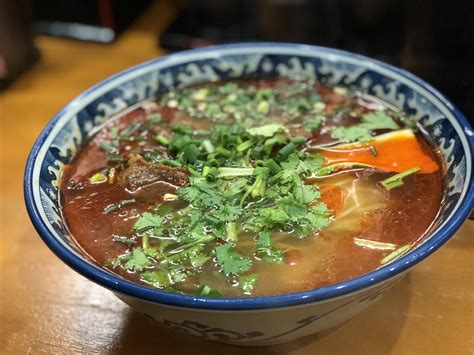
(433, 39)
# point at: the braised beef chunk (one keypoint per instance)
(140, 173)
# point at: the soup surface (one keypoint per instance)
(252, 188)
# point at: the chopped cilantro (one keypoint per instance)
(266, 250)
(362, 131)
(230, 261)
(247, 175)
(312, 124)
(247, 283)
(156, 278)
(115, 206)
(378, 120)
(268, 130)
(149, 221)
(137, 260)
(200, 193)
(351, 133)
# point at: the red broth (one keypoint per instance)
(368, 223)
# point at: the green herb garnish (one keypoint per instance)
(397, 179)
(362, 131)
(118, 205)
(395, 254)
(247, 181)
(98, 178)
(247, 283)
(231, 262)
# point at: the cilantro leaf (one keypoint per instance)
(191, 153)
(234, 187)
(312, 124)
(271, 216)
(138, 260)
(267, 251)
(228, 212)
(247, 283)
(314, 162)
(149, 221)
(378, 120)
(293, 208)
(268, 130)
(362, 131)
(313, 221)
(200, 193)
(306, 193)
(158, 278)
(351, 133)
(231, 261)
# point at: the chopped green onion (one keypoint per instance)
(284, 152)
(170, 197)
(272, 165)
(223, 152)
(170, 162)
(112, 175)
(206, 170)
(339, 90)
(396, 180)
(394, 184)
(263, 107)
(208, 146)
(373, 244)
(395, 254)
(97, 178)
(124, 240)
(145, 240)
(319, 106)
(242, 147)
(162, 139)
(231, 232)
(116, 206)
(299, 140)
(373, 151)
(226, 172)
(324, 171)
(200, 95)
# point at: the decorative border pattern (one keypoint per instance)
(65, 134)
(225, 335)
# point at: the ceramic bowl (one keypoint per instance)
(260, 320)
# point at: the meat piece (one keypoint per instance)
(140, 173)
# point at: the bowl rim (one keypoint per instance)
(120, 285)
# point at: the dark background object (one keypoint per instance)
(17, 50)
(432, 39)
(91, 20)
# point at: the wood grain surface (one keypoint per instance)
(45, 307)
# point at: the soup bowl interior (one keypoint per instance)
(296, 314)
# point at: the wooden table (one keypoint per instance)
(45, 307)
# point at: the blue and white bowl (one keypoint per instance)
(260, 320)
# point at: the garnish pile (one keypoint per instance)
(248, 179)
(245, 184)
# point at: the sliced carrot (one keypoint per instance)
(395, 152)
